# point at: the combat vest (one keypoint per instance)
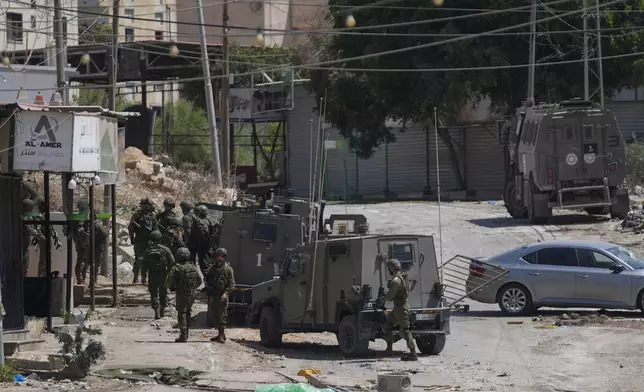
(146, 223)
(156, 258)
(220, 281)
(187, 278)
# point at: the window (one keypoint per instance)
(158, 35)
(589, 132)
(335, 250)
(33, 21)
(634, 260)
(565, 257)
(265, 232)
(569, 133)
(129, 13)
(296, 262)
(531, 258)
(589, 258)
(14, 27)
(129, 34)
(403, 253)
(159, 17)
(64, 23)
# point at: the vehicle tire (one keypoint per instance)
(515, 300)
(269, 330)
(349, 338)
(598, 210)
(515, 208)
(431, 344)
(640, 301)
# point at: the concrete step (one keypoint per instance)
(38, 361)
(11, 347)
(98, 300)
(16, 335)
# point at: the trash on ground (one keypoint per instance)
(300, 387)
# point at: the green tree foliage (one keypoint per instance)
(360, 102)
(94, 33)
(97, 97)
(187, 135)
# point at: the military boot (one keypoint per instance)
(221, 336)
(412, 356)
(183, 337)
(390, 349)
(162, 312)
(157, 314)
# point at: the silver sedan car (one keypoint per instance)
(588, 274)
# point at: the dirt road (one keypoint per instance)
(483, 353)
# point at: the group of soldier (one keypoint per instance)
(173, 253)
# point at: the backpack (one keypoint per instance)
(156, 258)
(189, 279)
(203, 228)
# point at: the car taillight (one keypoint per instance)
(476, 271)
(550, 176)
(612, 167)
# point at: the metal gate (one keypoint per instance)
(464, 275)
(11, 267)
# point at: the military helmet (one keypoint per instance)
(156, 236)
(393, 264)
(221, 251)
(202, 210)
(187, 204)
(183, 254)
(169, 202)
(145, 201)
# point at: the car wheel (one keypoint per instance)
(431, 344)
(269, 332)
(640, 301)
(515, 300)
(349, 339)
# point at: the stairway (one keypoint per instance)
(19, 341)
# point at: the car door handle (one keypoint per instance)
(533, 273)
(582, 276)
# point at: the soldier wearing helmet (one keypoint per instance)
(184, 279)
(202, 235)
(143, 223)
(168, 213)
(398, 292)
(30, 233)
(173, 235)
(220, 281)
(187, 208)
(158, 259)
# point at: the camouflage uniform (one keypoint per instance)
(201, 233)
(184, 279)
(173, 235)
(143, 223)
(219, 282)
(398, 292)
(158, 259)
(42, 241)
(168, 213)
(100, 236)
(29, 232)
(81, 243)
(187, 208)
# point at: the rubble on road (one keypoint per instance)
(634, 220)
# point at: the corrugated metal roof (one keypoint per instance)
(75, 109)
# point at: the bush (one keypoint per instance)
(7, 372)
(634, 165)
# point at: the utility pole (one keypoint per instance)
(225, 121)
(61, 57)
(109, 191)
(533, 44)
(585, 16)
(599, 55)
(210, 104)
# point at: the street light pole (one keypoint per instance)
(225, 121)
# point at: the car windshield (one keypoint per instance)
(634, 260)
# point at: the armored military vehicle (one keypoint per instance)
(332, 285)
(568, 155)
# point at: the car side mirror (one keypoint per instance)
(616, 268)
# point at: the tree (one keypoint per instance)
(99, 32)
(358, 102)
(97, 97)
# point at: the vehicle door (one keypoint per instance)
(406, 251)
(550, 272)
(566, 142)
(259, 240)
(592, 146)
(295, 275)
(597, 284)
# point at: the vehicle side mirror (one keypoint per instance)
(616, 268)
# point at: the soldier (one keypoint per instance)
(100, 236)
(158, 259)
(398, 292)
(168, 213)
(184, 279)
(173, 235)
(30, 233)
(201, 233)
(42, 241)
(187, 208)
(143, 223)
(219, 282)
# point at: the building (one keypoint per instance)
(27, 24)
(140, 20)
(277, 20)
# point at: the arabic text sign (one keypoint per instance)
(85, 157)
(43, 141)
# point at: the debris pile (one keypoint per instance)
(573, 319)
(634, 221)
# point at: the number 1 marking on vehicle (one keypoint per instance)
(259, 259)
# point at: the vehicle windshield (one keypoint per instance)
(632, 259)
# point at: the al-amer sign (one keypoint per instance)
(44, 141)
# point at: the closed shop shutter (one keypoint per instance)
(448, 177)
(483, 160)
(407, 162)
(630, 118)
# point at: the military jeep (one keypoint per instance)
(331, 285)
